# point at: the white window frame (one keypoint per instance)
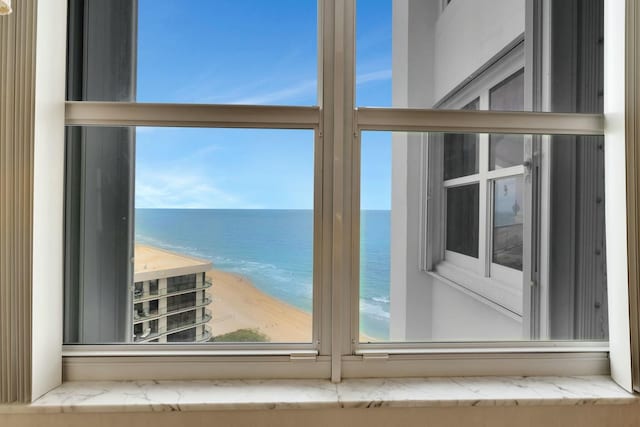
(340, 355)
(82, 113)
(498, 284)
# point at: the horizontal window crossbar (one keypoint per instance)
(157, 350)
(463, 180)
(453, 348)
(190, 115)
(465, 121)
(506, 172)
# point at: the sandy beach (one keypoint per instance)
(237, 304)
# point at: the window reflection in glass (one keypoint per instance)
(508, 222)
(507, 150)
(461, 151)
(463, 220)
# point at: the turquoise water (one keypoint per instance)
(273, 249)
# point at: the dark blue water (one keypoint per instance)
(273, 249)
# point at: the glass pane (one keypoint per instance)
(462, 219)
(509, 94)
(460, 155)
(432, 255)
(505, 151)
(435, 54)
(461, 151)
(375, 226)
(199, 51)
(221, 238)
(508, 222)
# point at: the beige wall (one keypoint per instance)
(513, 416)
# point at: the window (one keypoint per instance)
(442, 221)
(207, 220)
(493, 186)
(475, 218)
(462, 219)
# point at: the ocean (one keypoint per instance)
(273, 249)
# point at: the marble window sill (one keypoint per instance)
(161, 396)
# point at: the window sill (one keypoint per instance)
(500, 297)
(190, 396)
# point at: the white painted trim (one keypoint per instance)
(615, 92)
(476, 296)
(506, 275)
(544, 238)
(48, 196)
(463, 180)
(505, 295)
(461, 261)
(506, 172)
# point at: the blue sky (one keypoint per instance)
(248, 52)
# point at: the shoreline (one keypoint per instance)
(239, 304)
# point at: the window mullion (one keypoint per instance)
(337, 121)
(485, 203)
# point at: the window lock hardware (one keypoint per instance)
(375, 356)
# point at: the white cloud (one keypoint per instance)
(302, 88)
(307, 87)
(182, 190)
(373, 76)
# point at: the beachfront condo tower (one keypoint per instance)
(169, 297)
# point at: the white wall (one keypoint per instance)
(412, 53)
(468, 34)
(458, 317)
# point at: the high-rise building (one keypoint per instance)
(169, 297)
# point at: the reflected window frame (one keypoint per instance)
(499, 284)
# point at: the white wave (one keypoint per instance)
(384, 300)
(187, 250)
(374, 310)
